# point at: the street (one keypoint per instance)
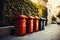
(51, 32)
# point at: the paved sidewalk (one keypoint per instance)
(51, 32)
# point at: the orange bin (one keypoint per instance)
(35, 28)
(29, 24)
(20, 25)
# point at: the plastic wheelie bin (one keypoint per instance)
(20, 25)
(43, 23)
(35, 27)
(39, 24)
(29, 24)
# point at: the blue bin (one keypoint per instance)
(42, 23)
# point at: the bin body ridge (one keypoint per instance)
(29, 24)
(36, 24)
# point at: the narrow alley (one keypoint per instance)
(51, 32)
(22, 20)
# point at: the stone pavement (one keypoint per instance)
(51, 32)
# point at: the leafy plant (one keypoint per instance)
(13, 7)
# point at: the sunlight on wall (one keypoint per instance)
(53, 10)
(53, 4)
(34, 1)
(38, 6)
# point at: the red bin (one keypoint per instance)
(20, 25)
(29, 24)
(35, 27)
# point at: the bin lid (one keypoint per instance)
(39, 17)
(19, 16)
(30, 17)
(43, 18)
(36, 17)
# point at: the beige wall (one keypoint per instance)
(51, 6)
(57, 11)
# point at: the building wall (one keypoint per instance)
(57, 11)
(44, 3)
(52, 10)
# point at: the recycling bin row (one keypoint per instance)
(27, 24)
